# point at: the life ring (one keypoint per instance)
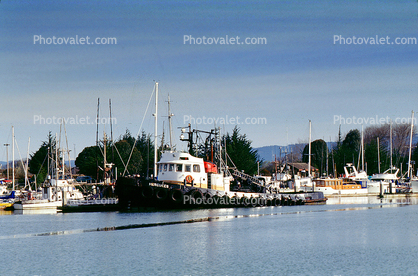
(189, 179)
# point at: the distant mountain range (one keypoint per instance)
(267, 153)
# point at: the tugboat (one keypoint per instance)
(187, 181)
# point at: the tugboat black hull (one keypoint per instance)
(140, 193)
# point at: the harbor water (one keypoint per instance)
(372, 237)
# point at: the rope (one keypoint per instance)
(139, 130)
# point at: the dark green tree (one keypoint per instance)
(124, 150)
(146, 147)
(319, 151)
(348, 151)
(371, 155)
(38, 163)
(240, 151)
(87, 161)
(142, 157)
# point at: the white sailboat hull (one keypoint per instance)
(37, 204)
(414, 186)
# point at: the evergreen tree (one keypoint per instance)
(240, 151)
(91, 158)
(319, 151)
(87, 161)
(39, 160)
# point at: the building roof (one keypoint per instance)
(302, 166)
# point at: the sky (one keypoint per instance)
(298, 72)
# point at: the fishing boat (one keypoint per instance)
(183, 180)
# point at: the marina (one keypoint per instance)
(208, 138)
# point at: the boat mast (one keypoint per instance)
(362, 148)
(390, 137)
(104, 158)
(155, 130)
(13, 157)
(410, 144)
(7, 157)
(378, 155)
(169, 123)
(26, 167)
(309, 153)
(113, 174)
(56, 168)
(97, 140)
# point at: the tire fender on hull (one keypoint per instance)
(176, 196)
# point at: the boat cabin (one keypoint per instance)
(182, 168)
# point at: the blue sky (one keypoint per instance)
(299, 75)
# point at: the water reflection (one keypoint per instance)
(336, 200)
(196, 220)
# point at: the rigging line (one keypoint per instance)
(120, 157)
(68, 152)
(40, 168)
(139, 130)
(21, 160)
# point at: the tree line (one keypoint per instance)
(140, 153)
(376, 140)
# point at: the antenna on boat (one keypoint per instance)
(170, 127)
(155, 130)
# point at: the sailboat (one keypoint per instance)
(386, 182)
(55, 192)
(413, 180)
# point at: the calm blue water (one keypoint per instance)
(348, 239)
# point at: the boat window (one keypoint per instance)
(196, 168)
(171, 167)
(179, 167)
(188, 168)
(165, 167)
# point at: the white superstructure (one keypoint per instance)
(184, 169)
